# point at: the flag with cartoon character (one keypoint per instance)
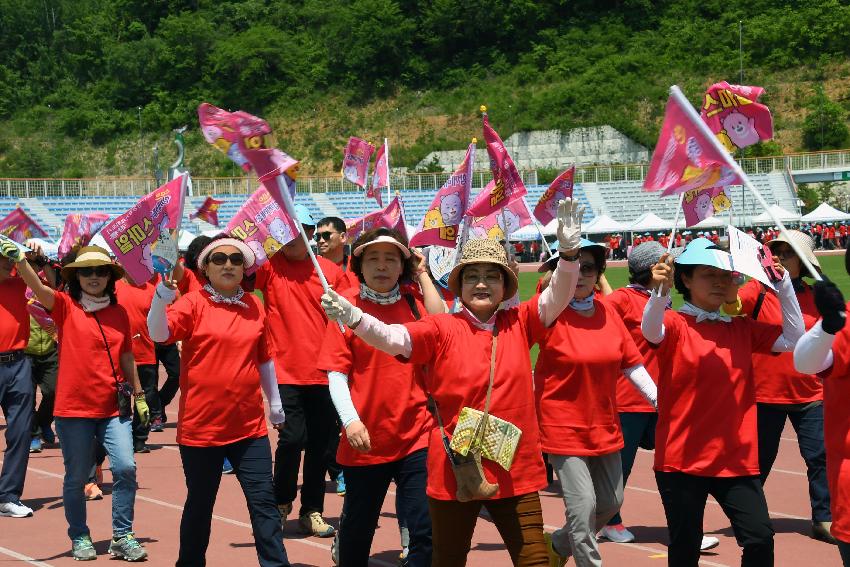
(208, 211)
(442, 219)
(561, 188)
(19, 226)
(699, 204)
(684, 159)
(381, 174)
(507, 184)
(79, 229)
(355, 161)
(232, 132)
(499, 225)
(389, 217)
(263, 225)
(735, 116)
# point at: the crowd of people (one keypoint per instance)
(393, 376)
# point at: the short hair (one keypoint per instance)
(194, 250)
(75, 290)
(683, 270)
(336, 222)
(408, 264)
(642, 277)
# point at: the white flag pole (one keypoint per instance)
(675, 223)
(387, 159)
(686, 106)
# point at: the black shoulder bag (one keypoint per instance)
(124, 390)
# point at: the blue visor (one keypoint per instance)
(303, 215)
(704, 252)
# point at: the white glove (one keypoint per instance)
(276, 414)
(165, 293)
(340, 309)
(570, 214)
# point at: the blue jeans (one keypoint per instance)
(638, 431)
(77, 436)
(16, 399)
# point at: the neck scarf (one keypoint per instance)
(235, 299)
(486, 325)
(91, 303)
(702, 314)
(585, 304)
(378, 297)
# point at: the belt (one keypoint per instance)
(11, 356)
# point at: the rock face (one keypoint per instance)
(553, 148)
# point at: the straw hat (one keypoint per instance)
(483, 251)
(803, 241)
(89, 257)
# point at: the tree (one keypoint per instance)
(825, 127)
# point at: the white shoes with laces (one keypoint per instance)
(15, 510)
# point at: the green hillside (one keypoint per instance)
(81, 79)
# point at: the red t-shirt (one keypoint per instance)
(776, 380)
(387, 393)
(706, 395)
(349, 280)
(457, 355)
(223, 345)
(836, 429)
(189, 282)
(630, 303)
(137, 301)
(575, 382)
(85, 386)
(292, 293)
(14, 318)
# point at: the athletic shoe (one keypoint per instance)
(141, 447)
(402, 557)
(555, 558)
(821, 532)
(35, 445)
(82, 549)
(340, 485)
(157, 425)
(285, 510)
(226, 468)
(48, 435)
(335, 549)
(93, 491)
(127, 548)
(15, 510)
(708, 542)
(314, 524)
(617, 533)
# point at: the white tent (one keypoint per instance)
(648, 222)
(715, 221)
(825, 213)
(212, 233)
(603, 224)
(551, 227)
(99, 240)
(778, 212)
(184, 239)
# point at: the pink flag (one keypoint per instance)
(381, 175)
(732, 113)
(208, 211)
(133, 235)
(18, 226)
(699, 204)
(79, 228)
(389, 217)
(263, 224)
(508, 184)
(441, 221)
(499, 225)
(269, 163)
(232, 132)
(355, 161)
(560, 189)
(684, 159)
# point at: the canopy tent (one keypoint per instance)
(715, 221)
(526, 233)
(551, 227)
(778, 212)
(603, 224)
(825, 213)
(648, 222)
(184, 240)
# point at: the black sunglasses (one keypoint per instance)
(325, 235)
(220, 258)
(99, 271)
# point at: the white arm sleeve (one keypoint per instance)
(391, 339)
(268, 381)
(652, 324)
(643, 382)
(813, 352)
(792, 319)
(157, 320)
(341, 396)
(557, 296)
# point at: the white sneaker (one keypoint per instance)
(708, 542)
(15, 510)
(618, 534)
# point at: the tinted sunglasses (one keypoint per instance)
(588, 268)
(99, 271)
(220, 258)
(324, 235)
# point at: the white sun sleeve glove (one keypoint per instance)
(337, 308)
(157, 319)
(268, 382)
(570, 214)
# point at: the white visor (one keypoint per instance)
(383, 238)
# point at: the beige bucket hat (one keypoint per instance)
(805, 242)
(483, 251)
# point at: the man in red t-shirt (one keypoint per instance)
(16, 389)
(291, 291)
(331, 242)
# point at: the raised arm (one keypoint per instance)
(391, 339)
(157, 319)
(43, 293)
(652, 324)
(562, 286)
(433, 300)
(792, 319)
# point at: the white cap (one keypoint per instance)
(383, 238)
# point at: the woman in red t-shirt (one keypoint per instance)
(479, 359)
(575, 385)
(95, 358)
(706, 438)
(380, 400)
(224, 365)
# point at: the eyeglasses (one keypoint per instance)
(99, 271)
(324, 235)
(785, 254)
(220, 259)
(489, 279)
(587, 268)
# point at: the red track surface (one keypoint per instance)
(41, 540)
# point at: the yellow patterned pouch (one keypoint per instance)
(498, 442)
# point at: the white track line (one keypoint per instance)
(24, 558)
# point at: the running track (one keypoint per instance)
(42, 541)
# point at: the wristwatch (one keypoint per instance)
(572, 258)
(138, 395)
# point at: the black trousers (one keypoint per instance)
(16, 401)
(366, 488)
(149, 382)
(844, 550)
(169, 357)
(45, 368)
(310, 423)
(252, 463)
(742, 499)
